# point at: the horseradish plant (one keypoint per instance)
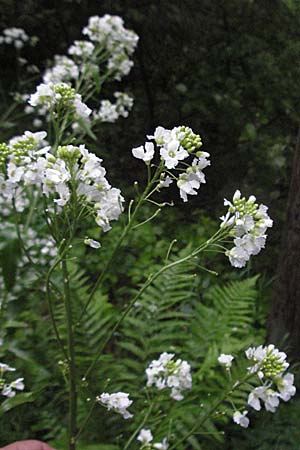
(52, 177)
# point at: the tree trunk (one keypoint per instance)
(284, 319)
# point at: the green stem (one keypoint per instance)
(118, 244)
(72, 366)
(50, 307)
(139, 427)
(89, 415)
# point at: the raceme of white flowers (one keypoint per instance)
(118, 402)
(15, 36)
(175, 146)
(163, 373)
(109, 33)
(8, 389)
(167, 373)
(25, 161)
(268, 367)
(248, 223)
(110, 112)
(145, 437)
(106, 55)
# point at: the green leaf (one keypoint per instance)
(87, 129)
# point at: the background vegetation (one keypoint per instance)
(230, 70)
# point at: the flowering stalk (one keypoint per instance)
(71, 360)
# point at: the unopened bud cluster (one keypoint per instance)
(188, 139)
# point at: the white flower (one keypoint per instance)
(81, 49)
(161, 136)
(18, 384)
(145, 153)
(7, 391)
(237, 257)
(286, 386)
(92, 243)
(107, 112)
(110, 112)
(161, 445)
(6, 368)
(265, 394)
(82, 110)
(119, 402)
(172, 153)
(165, 181)
(225, 360)
(241, 419)
(145, 436)
(44, 93)
(64, 69)
(191, 180)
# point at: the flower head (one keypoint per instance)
(225, 360)
(167, 373)
(241, 418)
(247, 223)
(118, 402)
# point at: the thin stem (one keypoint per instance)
(139, 427)
(87, 418)
(210, 412)
(50, 307)
(71, 352)
(150, 280)
(126, 230)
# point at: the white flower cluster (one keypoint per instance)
(81, 50)
(167, 373)
(119, 43)
(8, 389)
(59, 96)
(110, 112)
(74, 170)
(112, 44)
(63, 70)
(248, 224)
(269, 364)
(118, 402)
(177, 145)
(16, 36)
(145, 437)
